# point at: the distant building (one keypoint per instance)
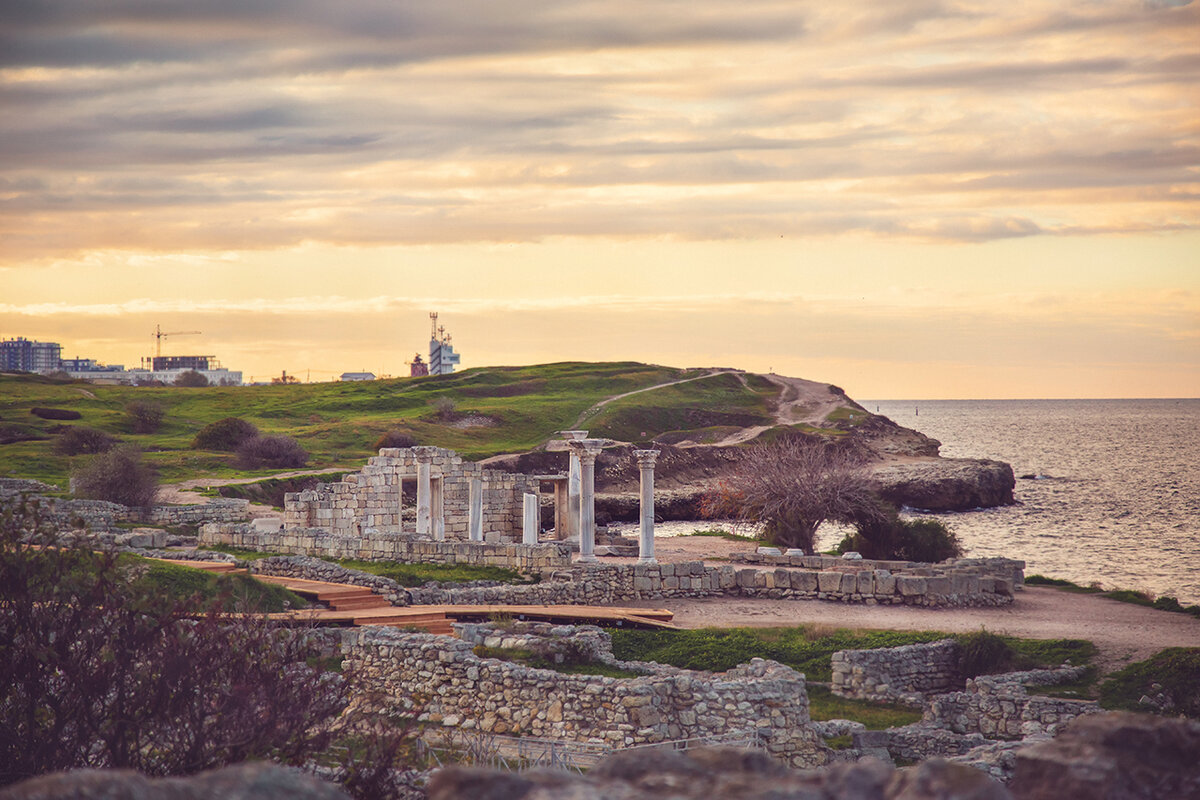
(198, 363)
(442, 358)
(78, 364)
(358, 376)
(418, 367)
(23, 355)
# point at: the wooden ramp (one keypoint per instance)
(425, 616)
(216, 567)
(338, 596)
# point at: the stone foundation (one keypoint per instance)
(907, 674)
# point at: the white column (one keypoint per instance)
(529, 531)
(645, 459)
(424, 490)
(573, 485)
(587, 449)
(475, 510)
(438, 508)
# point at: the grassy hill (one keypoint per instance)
(491, 410)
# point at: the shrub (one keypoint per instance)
(118, 476)
(55, 413)
(277, 452)
(884, 535)
(74, 441)
(11, 433)
(225, 434)
(984, 653)
(145, 416)
(444, 407)
(100, 671)
(191, 379)
(395, 438)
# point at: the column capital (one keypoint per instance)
(646, 458)
(586, 449)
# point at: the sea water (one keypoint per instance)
(1108, 491)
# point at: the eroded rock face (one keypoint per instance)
(947, 484)
(250, 781)
(1113, 757)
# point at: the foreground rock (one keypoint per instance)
(250, 781)
(1113, 757)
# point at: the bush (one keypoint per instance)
(443, 407)
(11, 433)
(191, 379)
(887, 537)
(118, 476)
(101, 671)
(55, 413)
(225, 434)
(276, 452)
(74, 441)
(395, 438)
(145, 416)
(985, 653)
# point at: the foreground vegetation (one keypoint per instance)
(1140, 598)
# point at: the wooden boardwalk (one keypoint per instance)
(360, 605)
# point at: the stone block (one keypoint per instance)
(829, 581)
(910, 586)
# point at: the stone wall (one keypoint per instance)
(370, 500)
(103, 517)
(905, 674)
(463, 690)
(401, 547)
(999, 707)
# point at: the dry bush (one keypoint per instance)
(793, 486)
(276, 452)
(395, 438)
(145, 416)
(77, 441)
(225, 434)
(118, 476)
(191, 379)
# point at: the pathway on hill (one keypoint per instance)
(184, 492)
(595, 408)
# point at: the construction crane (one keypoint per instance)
(159, 334)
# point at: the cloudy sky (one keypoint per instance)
(909, 199)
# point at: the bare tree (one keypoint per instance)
(792, 487)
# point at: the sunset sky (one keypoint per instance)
(910, 199)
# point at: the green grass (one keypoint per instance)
(244, 555)
(339, 423)
(723, 534)
(808, 649)
(1135, 596)
(1176, 670)
(824, 705)
(531, 659)
(240, 592)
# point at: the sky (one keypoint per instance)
(911, 199)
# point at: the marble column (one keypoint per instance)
(573, 484)
(587, 450)
(437, 508)
(424, 490)
(645, 459)
(475, 510)
(561, 509)
(529, 530)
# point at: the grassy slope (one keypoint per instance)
(339, 422)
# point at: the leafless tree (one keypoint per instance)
(793, 486)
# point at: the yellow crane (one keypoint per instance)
(159, 333)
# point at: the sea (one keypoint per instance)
(1108, 491)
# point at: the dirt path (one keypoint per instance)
(589, 412)
(1122, 632)
(799, 401)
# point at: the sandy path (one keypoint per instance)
(184, 492)
(591, 411)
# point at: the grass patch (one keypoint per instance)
(239, 553)
(805, 649)
(237, 592)
(1135, 596)
(530, 659)
(271, 491)
(1174, 671)
(824, 704)
(723, 534)
(419, 574)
